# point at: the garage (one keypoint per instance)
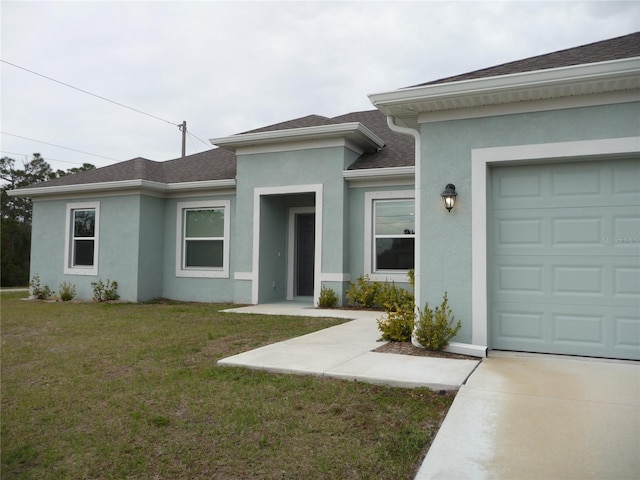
(564, 258)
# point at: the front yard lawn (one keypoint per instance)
(117, 390)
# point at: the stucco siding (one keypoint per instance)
(151, 243)
(446, 238)
(196, 289)
(118, 233)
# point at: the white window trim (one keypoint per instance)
(68, 238)
(182, 271)
(369, 199)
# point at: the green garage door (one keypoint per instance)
(564, 258)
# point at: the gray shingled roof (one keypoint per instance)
(627, 46)
(216, 164)
(220, 164)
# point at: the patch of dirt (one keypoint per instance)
(407, 348)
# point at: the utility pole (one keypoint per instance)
(183, 129)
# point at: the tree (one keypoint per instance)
(16, 213)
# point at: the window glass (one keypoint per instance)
(394, 234)
(204, 223)
(394, 253)
(204, 238)
(84, 226)
(204, 253)
(84, 223)
(394, 217)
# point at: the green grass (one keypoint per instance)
(115, 391)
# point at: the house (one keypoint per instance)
(540, 252)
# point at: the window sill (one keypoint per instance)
(202, 273)
(93, 271)
(400, 277)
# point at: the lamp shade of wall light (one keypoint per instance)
(449, 196)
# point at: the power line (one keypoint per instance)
(58, 146)
(89, 93)
(206, 143)
(48, 159)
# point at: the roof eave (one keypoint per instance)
(353, 131)
(583, 79)
(102, 187)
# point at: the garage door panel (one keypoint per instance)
(574, 184)
(567, 329)
(564, 255)
(562, 280)
(567, 231)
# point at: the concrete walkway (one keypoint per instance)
(541, 417)
(514, 417)
(345, 351)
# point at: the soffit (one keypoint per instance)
(573, 81)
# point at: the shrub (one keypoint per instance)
(67, 291)
(434, 329)
(328, 298)
(363, 293)
(397, 325)
(393, 298)
(41, 292)
(105, 291)
(399, 305)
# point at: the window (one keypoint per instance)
(203, 239)
(394, 233)
(390, 234)
(81, 238)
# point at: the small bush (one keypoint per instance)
(105, 291)
(397, 325)
(393, 298)
(328, 298)
(434, 329)
(363, 293)
(399, 305)
(41, 292)
(67, 291)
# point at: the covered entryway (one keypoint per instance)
(564, 258)
(286, 246)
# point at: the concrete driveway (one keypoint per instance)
(541, 417)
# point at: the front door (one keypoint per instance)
(304, 253)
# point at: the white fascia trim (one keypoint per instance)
(354, 131)
(296, 145)
(481, 159)
(549, 104)
(376, 173)
(122, 185)
(553, 77)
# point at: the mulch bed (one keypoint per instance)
(407, 348)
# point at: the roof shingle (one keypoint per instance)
(627, 46)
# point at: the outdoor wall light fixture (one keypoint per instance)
(449, 196)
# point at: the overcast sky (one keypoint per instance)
(228, 67)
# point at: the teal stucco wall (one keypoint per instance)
(446, 238)
(118, 254)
